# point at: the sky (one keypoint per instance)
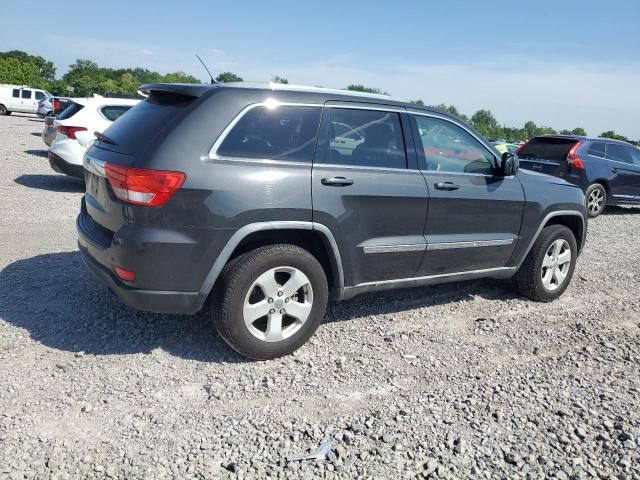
(563, 64)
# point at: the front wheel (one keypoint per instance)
(270, 301)
(548, 268)
(596, 200)
(3, 110)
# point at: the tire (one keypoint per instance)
(537, 281)
(237, 289)
(595, 199)
(3, 110)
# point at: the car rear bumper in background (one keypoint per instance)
(64, 167)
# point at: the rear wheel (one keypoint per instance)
(3, 110)
(596, 199)
(547, 270)
(270, 301)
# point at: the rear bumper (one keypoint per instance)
(101, 249)
(64, 167)
(148, 300)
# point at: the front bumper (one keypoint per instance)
(64, 167)
(96, 251)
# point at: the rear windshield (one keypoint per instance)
(70, 111)
(547, 148)
(144, 121)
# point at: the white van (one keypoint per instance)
(20, 98)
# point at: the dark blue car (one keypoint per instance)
(608, 171)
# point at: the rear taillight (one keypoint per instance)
(56, 105)
(70, 131)
(153, 188)
(573, 159)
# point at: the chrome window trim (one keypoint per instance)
(374, 107)
(621, 163)
(213, 152)
(362, 167)
(471, 244)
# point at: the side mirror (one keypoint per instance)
(509, 165)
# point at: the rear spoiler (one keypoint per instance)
(189, 89)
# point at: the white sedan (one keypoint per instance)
(75, 129)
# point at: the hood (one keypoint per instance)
(532, 176)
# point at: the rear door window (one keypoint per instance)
(26, 94)
(113, 112)
(618, 153)
(597, 149)
(547, 148)
(16, 93)
(364, 138)
(281, 133)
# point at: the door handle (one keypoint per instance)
(447, 186)
(337, 182)
(614, 170)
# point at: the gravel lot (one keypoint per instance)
(457, 381)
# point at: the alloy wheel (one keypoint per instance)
(556, 265)
(278, 303)
(595, 200)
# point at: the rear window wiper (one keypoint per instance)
(103, 138)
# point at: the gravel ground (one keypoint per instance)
(457, 381)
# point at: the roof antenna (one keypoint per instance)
(205, 67)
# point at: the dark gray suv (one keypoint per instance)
(268, 200)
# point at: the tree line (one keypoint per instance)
(86, 78)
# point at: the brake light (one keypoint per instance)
(153, 188)
(56, 105)
(126, 275)
(70, 131)
(573, 159)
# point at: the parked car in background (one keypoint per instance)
(52, 105)
(49, 130)
(22, 99)
(245, 196)
(504, 147)
(608, 171)
(76, 127)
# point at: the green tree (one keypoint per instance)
(277, 79)
(613, 135)
(453, 111)
(565, 132)
(486, 124)
(418, 102)
(17, 72)
(46, 69)
(226, 77)
(362, 88)
(579, 131)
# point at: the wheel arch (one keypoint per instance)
(313, 237)
(574, 220)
